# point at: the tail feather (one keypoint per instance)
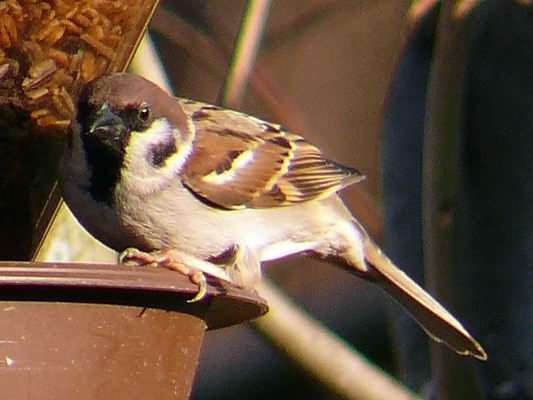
(432, 317)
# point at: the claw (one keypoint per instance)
(136, 257)
(166, 259)
(198, 277)
(128, 253)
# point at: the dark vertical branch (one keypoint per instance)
(494, 225)
(453, 378)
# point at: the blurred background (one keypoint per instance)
(364, 80)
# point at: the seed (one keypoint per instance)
(72, 12)
(61, 7)
(111, 7)
(39, 74)
(15, 6)
(45, 67)
(33, 51)
(88, 66)
(74, 67)
(50, 16)
(4, 69)
(67, 100)
(91, 12)
(46, 121)
(15, 67)
(36, 13)
(101, 66)
(112, 40)
(45, 6)
(71, 26)
(39, 113)
(106, 23)
(61, 124)
(62, 102)
(60, 107)
(5, 41)
(61, 78)
(37, 93)
(55, 35)
(82, 20)
(11, 28)
(98, 46)
(60, 57)
(96, 31)
(117, 30)
(47, 30)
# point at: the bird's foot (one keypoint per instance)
(136, 258)
(170, 259)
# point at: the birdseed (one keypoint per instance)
(48, 49)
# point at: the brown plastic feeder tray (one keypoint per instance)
(91, 331)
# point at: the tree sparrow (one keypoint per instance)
(202, 189)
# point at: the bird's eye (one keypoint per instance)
(144, 113)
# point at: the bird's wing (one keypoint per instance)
(240, 161)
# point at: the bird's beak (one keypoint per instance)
(108, 128)
(106, 123)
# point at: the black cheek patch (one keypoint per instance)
(105, 165)
(160, 152)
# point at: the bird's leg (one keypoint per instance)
(177, 261)
(241, 264)
(245, 268)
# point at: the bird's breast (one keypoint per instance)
(173, 218)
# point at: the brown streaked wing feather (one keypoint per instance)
(210, 171)
(240, 161)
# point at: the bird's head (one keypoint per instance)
(128, 126)
(125, 114)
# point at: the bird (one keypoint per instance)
(204, 190)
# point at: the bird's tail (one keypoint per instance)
(432, 317)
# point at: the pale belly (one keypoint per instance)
(176, 219)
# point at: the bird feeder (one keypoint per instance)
(86, 331)
(48, 51)
(80, 331)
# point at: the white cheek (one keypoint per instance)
(139, 174)
(141, 142)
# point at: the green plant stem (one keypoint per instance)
(245, 52)
(322, 354)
